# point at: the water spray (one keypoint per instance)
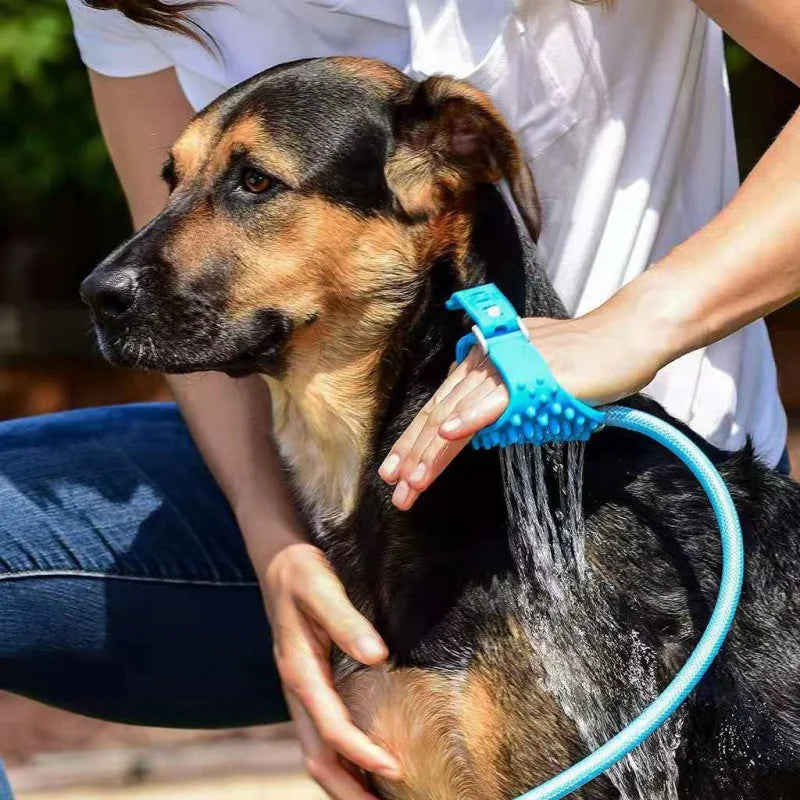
(540, 411)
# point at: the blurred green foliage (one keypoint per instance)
(56, 183)
(50, 145)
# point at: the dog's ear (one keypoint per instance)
(449, 138)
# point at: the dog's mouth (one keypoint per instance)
(184, 343)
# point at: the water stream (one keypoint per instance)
(601, 672)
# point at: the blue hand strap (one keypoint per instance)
(539, 409)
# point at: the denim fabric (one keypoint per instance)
(125, 588)
(784, 466)
(5, 788)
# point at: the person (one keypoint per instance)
(139, 546)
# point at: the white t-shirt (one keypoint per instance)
(624, 115)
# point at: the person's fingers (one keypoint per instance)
(338, 732)
(336, 780)
(306, 673)
(389, 470)
(412, 469)
(471, 415)
(439, 452)
(324, 598)
(487, 399)
(404, 496)
(321, 762)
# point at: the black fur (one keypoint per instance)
(438, 579)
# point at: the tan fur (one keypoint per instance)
(424, 185)
(387, 80)
(447, 234)
(203, 151)
(465, 142)
(201, 154)
(194, 145)
(249, 133)
(356, 282)
(446, 729)
(483, 726)
(416, 716)
(467, 735)
(323, 436)
(197, 239)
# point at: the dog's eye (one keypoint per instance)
(255, 182)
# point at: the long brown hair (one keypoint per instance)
(174, 16)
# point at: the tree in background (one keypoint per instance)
(60, 206)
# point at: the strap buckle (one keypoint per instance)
(539, 409)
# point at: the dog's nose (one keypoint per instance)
(110, 294)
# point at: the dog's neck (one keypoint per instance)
(322, 424)
(334, 425)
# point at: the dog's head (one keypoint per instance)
(304, 207)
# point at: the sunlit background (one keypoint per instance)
(60, 212)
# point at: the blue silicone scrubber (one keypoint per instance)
(539, 410)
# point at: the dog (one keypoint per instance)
(320, 215)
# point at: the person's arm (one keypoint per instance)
(231, 422)
(744, 264)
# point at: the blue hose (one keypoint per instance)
(541, 411)
(711, 641)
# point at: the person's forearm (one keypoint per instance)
(230, 420)
(744, 264)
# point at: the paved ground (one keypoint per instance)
(53, 755)
(283, 787)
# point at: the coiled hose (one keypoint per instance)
(718, 626)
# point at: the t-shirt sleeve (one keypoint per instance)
(111, 44)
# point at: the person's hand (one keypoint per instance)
(309, 610)
(590, 357)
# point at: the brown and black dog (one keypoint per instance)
(320, 215)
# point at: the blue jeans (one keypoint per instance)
(125, 589)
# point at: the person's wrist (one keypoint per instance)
(267, 532)
(657, 317)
